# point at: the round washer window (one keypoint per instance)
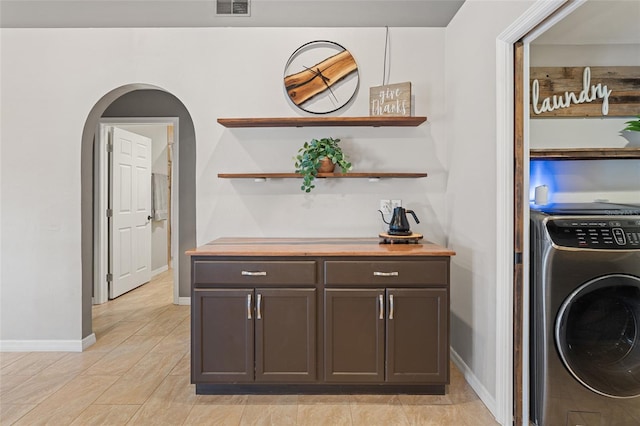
(598, 335)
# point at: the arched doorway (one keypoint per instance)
(139, 100)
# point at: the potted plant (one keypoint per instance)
(632, 132)
(311, 156)
(634, 125)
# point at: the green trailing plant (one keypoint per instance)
(310, 156)
(634, 125)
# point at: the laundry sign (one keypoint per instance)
(584, 91)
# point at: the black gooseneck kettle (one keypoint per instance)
(399, 225)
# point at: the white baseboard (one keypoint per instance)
(159, 270)
(47, 345)
(488, 400)
(184, 301)
(88, 341)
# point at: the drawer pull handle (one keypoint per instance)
(385, 274)
(391, 306)
(254, 273)
(249, 306)
(258, 308)
(381, 300)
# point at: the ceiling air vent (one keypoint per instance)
(232, 7)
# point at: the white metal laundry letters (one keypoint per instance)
(589, 93)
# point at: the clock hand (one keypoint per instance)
(317, 73)
(325, 80)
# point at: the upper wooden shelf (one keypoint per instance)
(322, 175)
(323, 121)
(585, 154)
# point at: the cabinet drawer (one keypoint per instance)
(254, 273)
(416, 272)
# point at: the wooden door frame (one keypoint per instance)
(100, 193)
(512, 59)
(520, 193)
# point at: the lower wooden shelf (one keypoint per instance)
(321, 175)
(585, 154)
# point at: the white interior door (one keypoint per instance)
(130, 201)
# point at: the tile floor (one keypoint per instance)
(137, 373)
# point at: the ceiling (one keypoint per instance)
(594, 22)
(597, 22)
(201, 13)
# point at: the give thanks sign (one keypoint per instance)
(390, 100)
(585, 91)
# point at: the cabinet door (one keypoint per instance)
(354, 335)
(417, 335)
(285, 323)
(222, 336)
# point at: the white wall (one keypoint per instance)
(335, 207)
(51, 78)
(584, 181)
(212, 71)
(471, 76)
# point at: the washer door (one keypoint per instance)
(598, 335)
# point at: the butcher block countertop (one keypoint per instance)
(316, 247)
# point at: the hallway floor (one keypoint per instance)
(137, 373)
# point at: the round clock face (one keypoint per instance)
(321, 77)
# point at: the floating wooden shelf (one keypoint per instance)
(320, 175)
(585, 154)
(323, 121)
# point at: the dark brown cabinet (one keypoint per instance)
(330, 316)
(224, 336)
(354, 335)
(285, 324)
(417, 343)
(392, 335)
(261, 335)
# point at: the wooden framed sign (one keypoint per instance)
(391, 99)
(585, 91)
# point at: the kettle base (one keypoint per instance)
(399, 233)
(400, 239)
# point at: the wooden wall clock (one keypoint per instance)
(321, 77)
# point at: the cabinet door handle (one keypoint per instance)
(385, 274)
(381, 301)
(254, 273)
(391, 306)
(258, 303)
(249, 306)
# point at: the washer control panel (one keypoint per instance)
(604, 232)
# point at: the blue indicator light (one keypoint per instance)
(541, 173)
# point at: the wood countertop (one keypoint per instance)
(316, 247)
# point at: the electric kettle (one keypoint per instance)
(399, 225)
